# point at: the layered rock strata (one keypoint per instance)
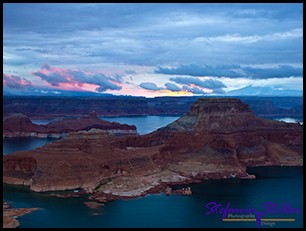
(19, 125)
(216, 139)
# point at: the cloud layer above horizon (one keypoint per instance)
(152, 49)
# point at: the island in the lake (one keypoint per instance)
(217, 139)
(19, 125)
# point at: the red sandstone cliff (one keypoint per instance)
(217, 138)
(20, 125)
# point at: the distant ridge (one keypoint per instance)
(264, 91)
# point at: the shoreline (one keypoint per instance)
(117, 132)
(50, 117)
(11, 214)
(97, 201)
(105, 196)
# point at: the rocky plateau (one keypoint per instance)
(217, 139)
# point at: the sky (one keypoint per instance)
(152, 49)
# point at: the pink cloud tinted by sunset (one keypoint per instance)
(16, 82)
(77, 79)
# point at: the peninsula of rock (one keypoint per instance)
(217, 139)
(19, 125)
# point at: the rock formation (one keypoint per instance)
(18, 125)
(10, 214)
(217, 138)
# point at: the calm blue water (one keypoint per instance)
(289, 120)
(144, 124)
(168, 211)
(274, 184)
(14, 144)
(147, 124)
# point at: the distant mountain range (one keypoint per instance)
(264, 91)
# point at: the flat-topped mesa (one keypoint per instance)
(222, 115)
(20, 125)
(219, 106)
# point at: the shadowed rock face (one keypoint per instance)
(217, 138)
(20, 125)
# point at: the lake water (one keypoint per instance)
(273, 184)
(144, 124)
(290, 120)
(14, 144)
